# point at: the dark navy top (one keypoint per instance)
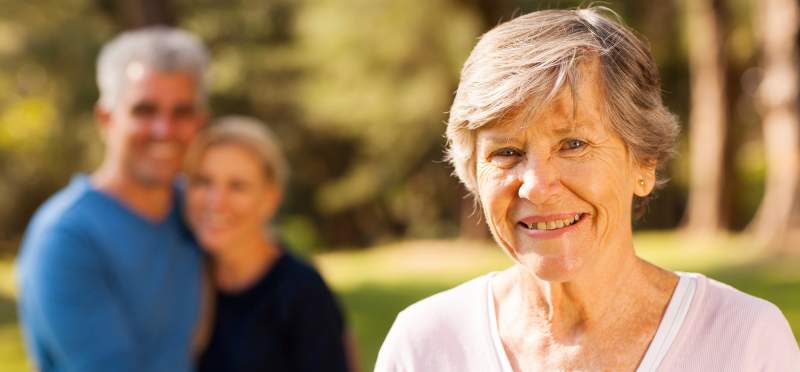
(287, 321)
(104, 289)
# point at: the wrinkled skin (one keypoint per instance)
(578, 298)
(564, 160)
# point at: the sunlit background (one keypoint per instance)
(358, 90)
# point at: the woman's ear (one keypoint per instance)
(645, 179)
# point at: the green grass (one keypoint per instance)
(375, 284)
(12, 356)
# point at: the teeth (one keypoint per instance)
(215, 220)
(556, 224)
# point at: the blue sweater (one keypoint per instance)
(104, 289)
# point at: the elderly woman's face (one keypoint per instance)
(557, 189)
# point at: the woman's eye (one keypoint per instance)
(573, 144)
(238, 186)
(506, 152)
(505, 157)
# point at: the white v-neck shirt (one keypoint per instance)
(668, 328)
(708, 326)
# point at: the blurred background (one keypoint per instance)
(358, 92)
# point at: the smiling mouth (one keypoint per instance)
(553, 224)
(214, 221)
(163, 150)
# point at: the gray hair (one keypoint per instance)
(161, 48)
(523, 63)
(249, 133)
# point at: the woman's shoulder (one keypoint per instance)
(467, 295)
(295, 267)
(722, 299)
(728, 328)
(295, 272)
(293, 289)
(448, 331)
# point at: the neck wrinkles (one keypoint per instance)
(590, 304)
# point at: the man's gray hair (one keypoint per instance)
(160, 48)
(523, 63)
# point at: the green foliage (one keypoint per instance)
(46, 86)
(25, 125)
(300, 235)
(382, 74)
(357, 90)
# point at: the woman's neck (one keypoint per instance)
(593, 304)
(237, 267)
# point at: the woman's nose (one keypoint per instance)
(539, 181)
(215, 198)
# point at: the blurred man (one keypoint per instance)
(110, 279)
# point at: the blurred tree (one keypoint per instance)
(131, 14)
(357, 90)
(778, 22)
(47, 49)
(742, 184)
(382, 73)
(707, 116)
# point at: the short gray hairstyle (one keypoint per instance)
(523, 63)
(161, 48)
(249, 133)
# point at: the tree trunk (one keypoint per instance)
(778, 94)
(142, 13)
(707, 117)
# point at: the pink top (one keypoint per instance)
(708, 326)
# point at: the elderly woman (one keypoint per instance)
(272, 311)
(558, 129)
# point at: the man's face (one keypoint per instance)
(151, 126)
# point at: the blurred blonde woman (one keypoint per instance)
(272, 312)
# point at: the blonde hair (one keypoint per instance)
(249, 133)
(523, 63)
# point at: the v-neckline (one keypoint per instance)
(129, 211)
(671, 323)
